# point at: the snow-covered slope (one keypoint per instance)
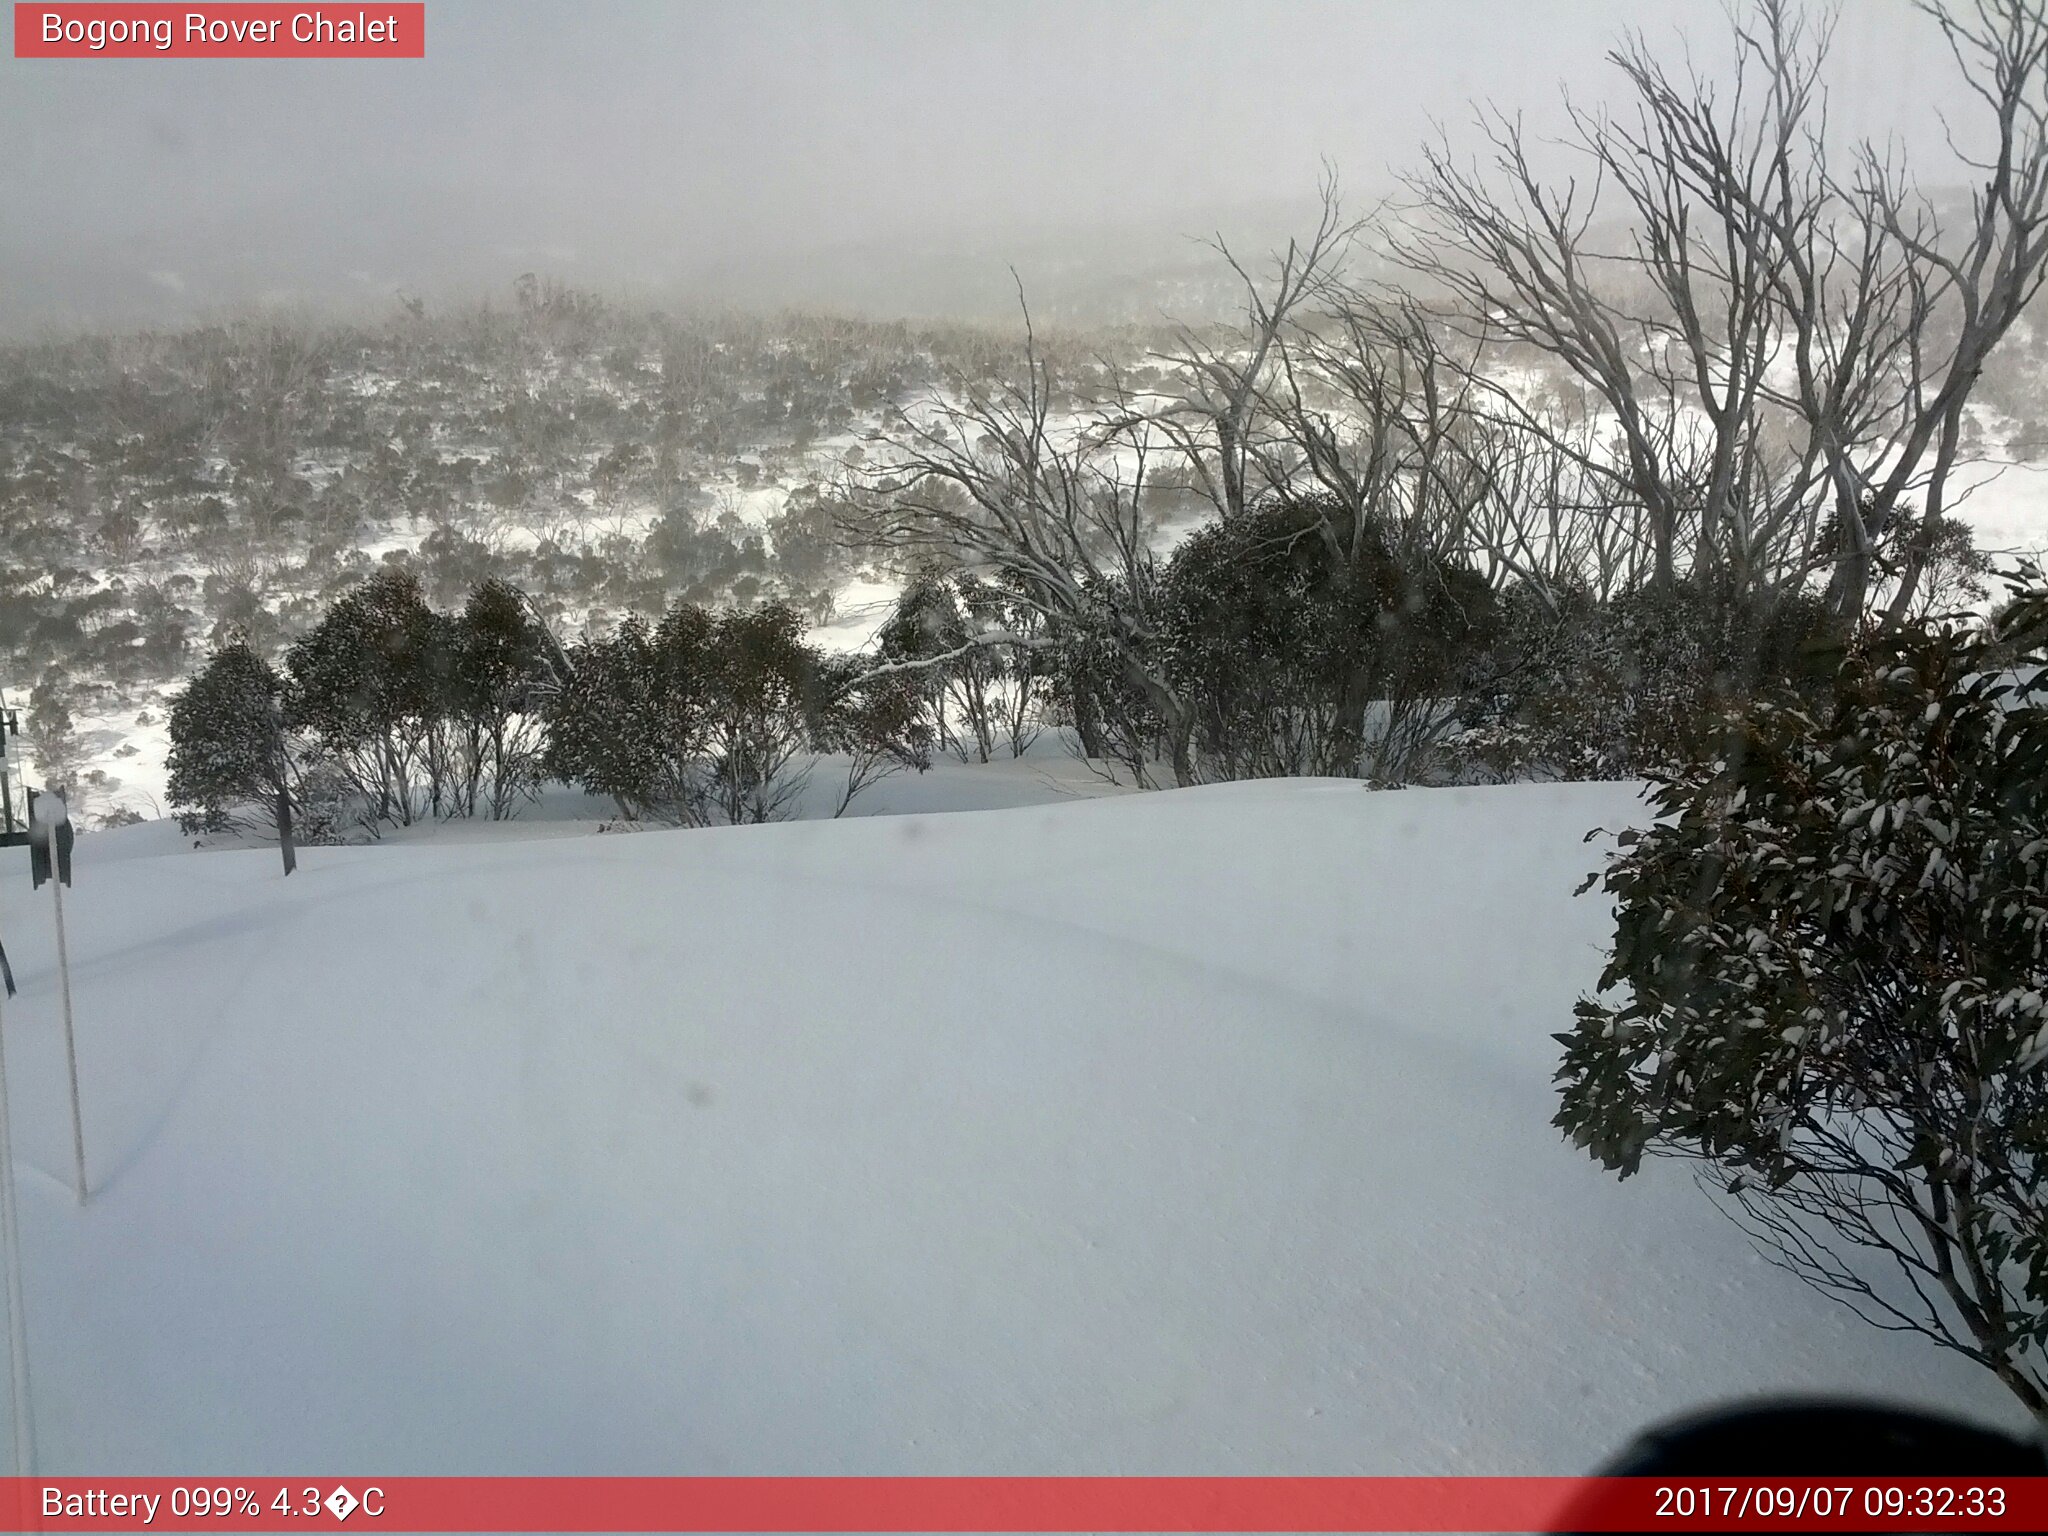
(1189, 1132)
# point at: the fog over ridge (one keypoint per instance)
(889, 156)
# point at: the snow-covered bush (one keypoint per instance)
(630, 722)
(977, 698)
(1582, 690)
(762, 678)
(702, 718)
(490, 699)
(49, 732)
(1260, 643)
(1105, 681)
(1829, 987)
(325, 805)
(412, 712)
(881, 724)
(927, 624)
(1290, 662)
(227, 762)
(364, 684)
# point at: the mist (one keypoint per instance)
(889, 157)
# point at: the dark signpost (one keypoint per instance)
(49, 841)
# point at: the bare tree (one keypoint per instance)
(1218, 418)
(1317, 390)
(1762, 334)
(1370, 410)
(1544, 520)
(1987, 278)
(997, 480)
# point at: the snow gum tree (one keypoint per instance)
(366, 682)
(1279, 656)
(760, 717)
(1782, 329)
(1829, 988)
(632, 719)
(975, 697)
(700, 719)
(228, 748)
(927, 625)
(499, 671)
(880, 724)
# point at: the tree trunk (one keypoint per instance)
(1348, 744)
(285, 844)
(1180, 746)
(1920, 544)
(286, 847)
(1849, 584)
(1088, 724)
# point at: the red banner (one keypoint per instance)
(215, 31)
(929, 1504)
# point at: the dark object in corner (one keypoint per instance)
(1817, 1437)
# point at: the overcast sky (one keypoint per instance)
(652, 142)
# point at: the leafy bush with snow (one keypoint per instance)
(388, 711)
(702, 718)
(366, 684)
(1281, 651)
(1829, 987)
(226, 753)
(1577, 689)
(977, 699)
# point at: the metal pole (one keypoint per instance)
(17, 1316)
(70, 1041)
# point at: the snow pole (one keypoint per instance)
(17, 1317)
(49, 831)
(70, 1042)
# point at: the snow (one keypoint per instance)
(2006, 505)
(860, 608)
(1193, 1132)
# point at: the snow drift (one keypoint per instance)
(1196, 1132)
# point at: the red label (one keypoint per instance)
(120, 31)
(1682, 1505)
